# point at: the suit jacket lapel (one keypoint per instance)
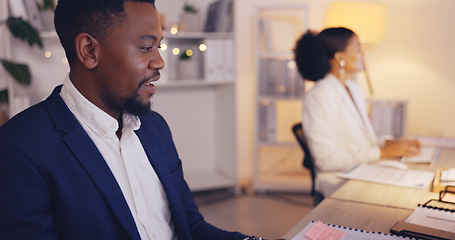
(347, 102)
(158, 156)
(368, 128)
(91, 160)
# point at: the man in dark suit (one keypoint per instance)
(93, 161)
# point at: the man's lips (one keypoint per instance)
(148, 83)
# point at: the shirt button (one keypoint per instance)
(102, 133)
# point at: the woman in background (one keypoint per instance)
(335, 121)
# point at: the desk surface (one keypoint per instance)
(372, 206)
(383, 195)
(394, 196)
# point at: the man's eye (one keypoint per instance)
(146, 48)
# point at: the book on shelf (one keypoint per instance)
(267, 121)
(266, 81)
(279, 78)
(220, 16)
(264, 27)
(316, 230)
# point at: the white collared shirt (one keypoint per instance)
(128, 162)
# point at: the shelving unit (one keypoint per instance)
(200, 111)
(279, 91)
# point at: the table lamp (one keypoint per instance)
(366, 19)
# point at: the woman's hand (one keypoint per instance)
(400, 148)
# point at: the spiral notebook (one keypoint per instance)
(434, 220)
(318, 230)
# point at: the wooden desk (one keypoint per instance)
(352, 214)
(383, 195)
(394, 196)
(372, 206)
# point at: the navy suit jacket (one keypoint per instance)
(55, 183)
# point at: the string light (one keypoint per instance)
(48, 54)
(175, 51)
(202, 47)
(174, 29)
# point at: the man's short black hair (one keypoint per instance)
(94, 17)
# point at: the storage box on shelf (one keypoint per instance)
(198, 58)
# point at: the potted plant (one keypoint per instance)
(188, 67)
(189, 19)
(20, 72)
(46, 8)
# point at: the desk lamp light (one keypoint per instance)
(366, 19)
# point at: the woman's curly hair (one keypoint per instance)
(313, 51)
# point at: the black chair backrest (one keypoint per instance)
(307, 158)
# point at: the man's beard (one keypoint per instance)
(133, 105)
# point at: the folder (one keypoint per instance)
(405, 229)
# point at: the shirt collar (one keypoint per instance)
(96, 119)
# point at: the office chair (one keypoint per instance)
(307, 160)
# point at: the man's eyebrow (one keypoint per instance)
(150, 36)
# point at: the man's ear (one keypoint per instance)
(87, 50)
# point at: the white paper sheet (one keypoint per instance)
(389, 176)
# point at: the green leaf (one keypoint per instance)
(4, 96)
(189, 8)
(20, 72)
(46, 4)
(23, 30)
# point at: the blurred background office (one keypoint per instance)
(413, 61)
(215, 124)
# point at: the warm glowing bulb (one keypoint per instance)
(175, 51)
(189, 52)
(163, 47)
(174, 29)
(48, 54)
(202, 47)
